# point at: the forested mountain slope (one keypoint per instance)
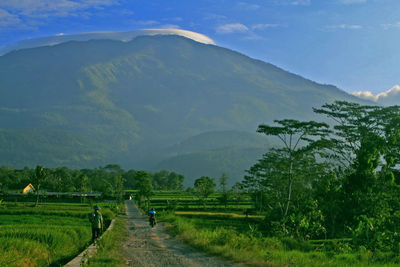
(153, 102)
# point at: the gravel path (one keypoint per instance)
(146, 246)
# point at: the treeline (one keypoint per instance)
(110, 180)
(332, 181)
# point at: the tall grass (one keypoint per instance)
(110, 251)
(252, 248)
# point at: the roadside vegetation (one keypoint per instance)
(242, 239)
(109, 251)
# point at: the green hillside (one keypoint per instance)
(145, 104)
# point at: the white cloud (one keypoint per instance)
(344, 27)
(349, 2)
(366, 95)
(7, 19)
(169, 26)
(293, 2)
(212, 16)
(391, 26)
(53, 8)
(252, 36)
(247, 6)
(175, 19)
(263, 26)
(301, 3)
(146, 22)
(232, 28)
(391, 96)
(189, 34)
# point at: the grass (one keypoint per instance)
(250, 247)
(204, 213)
(110, 252)
(49, 235)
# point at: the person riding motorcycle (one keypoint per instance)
(152, 217)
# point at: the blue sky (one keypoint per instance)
(353, 44)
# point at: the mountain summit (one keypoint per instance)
(157, 101)
(121, 36)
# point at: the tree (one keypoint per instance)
(224, 197)
(327, 192)
(82, 183)
(204, 187)
(160, 180)
(237, 193)
(129, 179)
(61, 180)
(223, 181)
(144, 185)
(113, 168)
(7, 178)
(266, 182)
(118, 183)
(352, 122)
(366, 144)
(38, 178)
(166, 180)
(175, 181)
(297, 138)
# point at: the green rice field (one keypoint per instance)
(186, 201)
(49, 235)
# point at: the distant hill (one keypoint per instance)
(154, 102)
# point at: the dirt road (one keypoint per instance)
(146, 246)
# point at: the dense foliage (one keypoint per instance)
(340, 182)
(111, 180)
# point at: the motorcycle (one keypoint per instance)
(152, 220)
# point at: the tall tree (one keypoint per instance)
(144, 185)
(175, 181)
(352, 122)
(297, 138)
(224, 196)
(204, 187)
(167, 180)
(118, 184)
(366, 143)
(223, 182)
(38, 178)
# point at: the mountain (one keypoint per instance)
(157, 101)
(121, 36)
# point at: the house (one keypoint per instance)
(28, 189)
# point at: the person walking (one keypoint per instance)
(96, 220)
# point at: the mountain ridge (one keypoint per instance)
(121, 36)
(130, 102)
